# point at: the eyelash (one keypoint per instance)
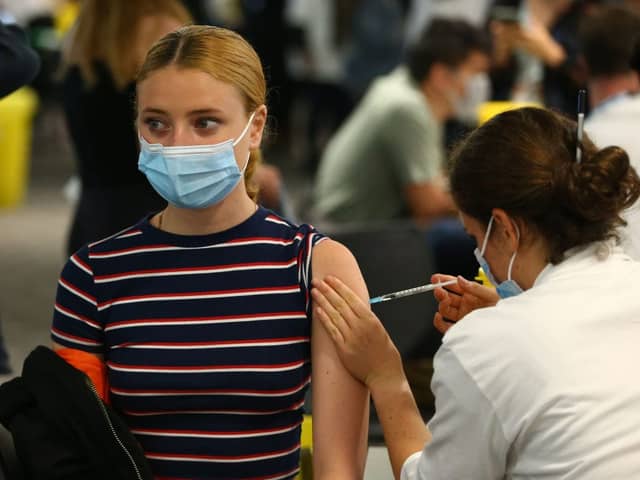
(198, 122)
(150, 121)
(207, 119)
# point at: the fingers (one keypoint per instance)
(483, 295)
(336, 302)
(355, 303)
(333, 331)
(439, 278)
(331, 318)
(445, 295)
(451, 308)
(441, 324)
(449, 296)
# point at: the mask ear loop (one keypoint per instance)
(244, 132)
(237, 140)
(513, 257)
(486, 236)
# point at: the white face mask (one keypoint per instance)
(477, 91)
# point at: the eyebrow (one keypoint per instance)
(154, 110)
(199, 111)
(202, 111)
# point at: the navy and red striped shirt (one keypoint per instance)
(206, 339)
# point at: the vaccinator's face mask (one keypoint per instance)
(509, 287)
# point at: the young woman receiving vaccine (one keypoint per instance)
(541, 382)
(200, 315)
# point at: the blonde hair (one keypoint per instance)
(224, 55)
(108, 31)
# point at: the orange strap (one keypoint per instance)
(90, 365)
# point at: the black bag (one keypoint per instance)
(62, 430)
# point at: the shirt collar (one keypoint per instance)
(577, 257)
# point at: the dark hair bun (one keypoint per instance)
(602, 185)
(524, 162)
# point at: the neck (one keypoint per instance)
(603, 88)
(232, 211)
(529, 262)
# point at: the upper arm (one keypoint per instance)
(427, 200)
(465, 428)
(340, 403)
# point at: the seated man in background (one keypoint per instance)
(386, 162)
(608, 38)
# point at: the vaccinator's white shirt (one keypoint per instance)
(544, 385)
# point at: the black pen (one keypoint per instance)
(582, 95)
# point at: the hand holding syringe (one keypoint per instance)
(410, 291)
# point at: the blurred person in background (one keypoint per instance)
(19, 64)
(536, 51)
(264, 26)
(476, 12)
(635, 59)
(374, 30)
(342, 46)
(421, 12)
(607, 40)
(23, 11)
(101, 56)
(387, 161)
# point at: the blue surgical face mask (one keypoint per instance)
(509, 287)
(192, 176)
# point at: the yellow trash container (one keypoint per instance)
(16, 112)
(482, 279)
(306, 449)
(492, 108)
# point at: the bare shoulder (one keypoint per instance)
(333, 258)
(330, 252)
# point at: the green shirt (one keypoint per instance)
(390, 141)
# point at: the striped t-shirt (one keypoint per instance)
(206, 339)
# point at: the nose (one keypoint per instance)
(180, 135)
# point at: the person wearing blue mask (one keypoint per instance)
(535, 379)
(199, 316)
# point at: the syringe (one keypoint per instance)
(410, 291)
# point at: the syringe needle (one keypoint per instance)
(410, 291)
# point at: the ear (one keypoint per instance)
(510, 230)
(257, 127)
(439, 76)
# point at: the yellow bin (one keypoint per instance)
(16, 112)
(306, 449)
(492, 108)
